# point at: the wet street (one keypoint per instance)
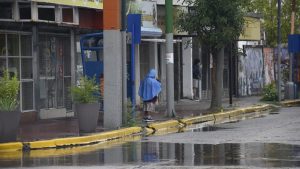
(260, 140)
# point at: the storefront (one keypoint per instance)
(38, 45)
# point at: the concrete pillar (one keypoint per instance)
(73, 59)
(153, 57)
(112, 47)
(137, 74)
(112, 79)
(187, 68)
(163, 73)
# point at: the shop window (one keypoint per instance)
(26, 45)
(20, 66)
(91, 55)
(6, 9)
(67, 14)
(46, 12)
(2, 66)
(26, 68)
(27, 96)
(25, 10)
(14, 66)
(13, 45)
(2, 45)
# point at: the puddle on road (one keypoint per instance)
(165, 154)
(209, 128)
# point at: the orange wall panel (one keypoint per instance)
(111, 15)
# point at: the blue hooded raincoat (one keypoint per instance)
(149, 87)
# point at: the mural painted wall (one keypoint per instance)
(269, 74)
(284, 64)
(250, 71)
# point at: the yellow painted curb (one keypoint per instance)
(14, 146)
(164, 125)
(80, 149)
(224, 115)
(198, 119)
(83, 140)
(290, 102)
(234, 113)
(41, 144)
(221, 116)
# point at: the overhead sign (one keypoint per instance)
(96, 4)
(134, 26)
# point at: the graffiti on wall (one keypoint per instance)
(269, 65)
(250, 73)
(284, 64)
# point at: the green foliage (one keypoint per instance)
(130, 120)
(9, 90)
(214, 22)
(86, 92)
(268, 9)
(133, 7)
(269, 92)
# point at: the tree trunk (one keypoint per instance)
(217, 79)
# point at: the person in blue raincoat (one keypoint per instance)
(148, 91)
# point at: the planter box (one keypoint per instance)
(87, 116)
(9, 125)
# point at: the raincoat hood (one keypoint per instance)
(152, 73)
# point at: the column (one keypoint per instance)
(153, 57)
(112, 64)
(187, 71)
(163, 73)
(137, 74)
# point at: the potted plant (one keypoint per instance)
(9, 107)
(86, 96)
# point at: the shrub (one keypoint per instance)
(86, 92)
(130, 119)
(269, 92)
(9, 90)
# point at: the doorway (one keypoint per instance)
(55, 75)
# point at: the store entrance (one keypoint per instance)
(55, 75)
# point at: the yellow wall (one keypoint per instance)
(251, 29)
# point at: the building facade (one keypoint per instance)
(39, 43)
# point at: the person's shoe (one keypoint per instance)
(148, 119)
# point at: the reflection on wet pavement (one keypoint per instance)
(209, 128)
(165, 154)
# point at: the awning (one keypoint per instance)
(161, 40)
(152, 32)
